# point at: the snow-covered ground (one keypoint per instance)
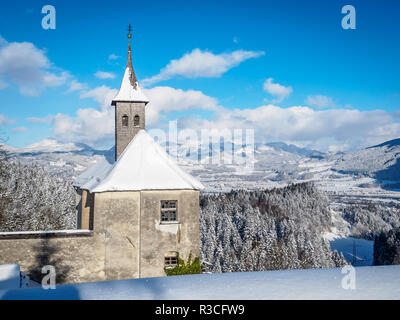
(9, 276)
(370, 283)
(12, 278)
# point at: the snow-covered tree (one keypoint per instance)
(32, 199)
(387, 248)
(266, 230)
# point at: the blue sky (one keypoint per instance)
(300, 77)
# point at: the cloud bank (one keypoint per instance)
(95, 126)
(325, 130)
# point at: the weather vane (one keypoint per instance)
(130, 32)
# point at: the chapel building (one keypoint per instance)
(145, 206)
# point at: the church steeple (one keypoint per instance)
(129, 65)
(130, 104)
(130, 89)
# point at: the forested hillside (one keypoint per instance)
(370, 219)
(266, 230)
(31, 199)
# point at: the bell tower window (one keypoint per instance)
(136, 121)
(125, 121)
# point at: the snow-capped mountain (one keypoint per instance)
(65, 159)
(49, 146)
(380, 161)
(275, 164)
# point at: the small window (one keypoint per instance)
(136, 121)
(169, 210)
(125, 121)
(171, 259)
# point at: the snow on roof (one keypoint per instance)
(144, 165)
(92, 176)
(127, 92)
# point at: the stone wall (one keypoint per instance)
(76, 257)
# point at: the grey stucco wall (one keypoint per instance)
(157, 238)
(116, 218)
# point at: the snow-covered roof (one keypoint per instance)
(128, 92)
(94, 175)
(143, 165)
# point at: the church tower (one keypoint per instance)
(130, 104)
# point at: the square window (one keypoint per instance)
(171, 261)
(168, 210)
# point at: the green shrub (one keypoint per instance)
(190, 267)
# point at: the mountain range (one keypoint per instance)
(275, 164)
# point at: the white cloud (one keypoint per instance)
(166, 99)
(19, 129)
(113, 56)
(28, 67)
(104, 75)
(91, 126)
(103, 95)
(320, 101)
(75, 85)
(202, 64)
(277, 90)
